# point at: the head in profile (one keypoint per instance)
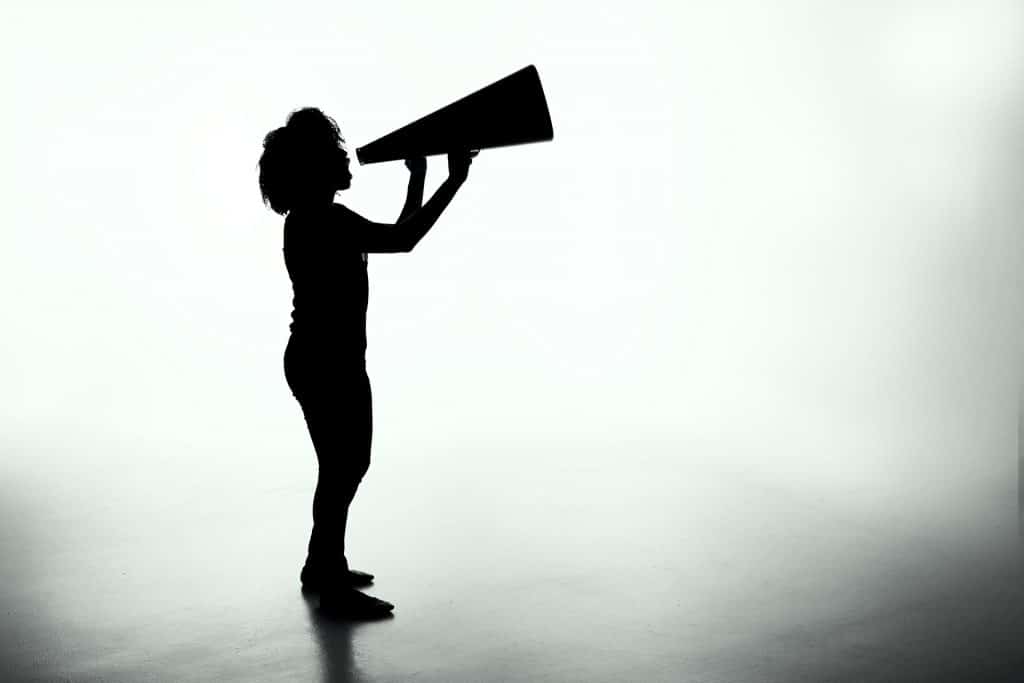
(304, 162)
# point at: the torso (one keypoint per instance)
(329, 284)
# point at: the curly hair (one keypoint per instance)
(306, 156)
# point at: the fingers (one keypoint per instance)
(459, 162)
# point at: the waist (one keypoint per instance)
(324, 342)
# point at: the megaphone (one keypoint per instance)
(510, 111)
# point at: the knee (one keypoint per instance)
(343, 472)
(360, 467)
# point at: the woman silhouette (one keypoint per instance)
(303, 165)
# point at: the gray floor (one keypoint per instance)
(632, 563)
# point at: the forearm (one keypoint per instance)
(413, 196)
(416, 225)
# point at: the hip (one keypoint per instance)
(306, 360)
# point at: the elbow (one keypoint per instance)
(407, 242)
(403, 239)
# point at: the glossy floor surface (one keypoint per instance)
(631, 563)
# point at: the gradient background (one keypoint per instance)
(780, 239)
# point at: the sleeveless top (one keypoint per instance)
(329, 281)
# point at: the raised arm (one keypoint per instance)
(369, 236)
(414, 195)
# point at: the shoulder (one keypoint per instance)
(304, 215)
(329, 226)
(327, 214)
(343, 214)
(310, 221)
(303, 229)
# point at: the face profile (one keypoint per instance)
(346, 178)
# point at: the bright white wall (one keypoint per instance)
(792, 227)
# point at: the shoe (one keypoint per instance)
(359, 579)
(313, 580)
(348, 603)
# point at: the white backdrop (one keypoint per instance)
(784, 234)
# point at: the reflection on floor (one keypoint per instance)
(505, 565)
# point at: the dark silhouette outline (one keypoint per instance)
(303, 165)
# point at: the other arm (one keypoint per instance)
(414, 195)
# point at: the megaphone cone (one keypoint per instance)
(511, 111)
